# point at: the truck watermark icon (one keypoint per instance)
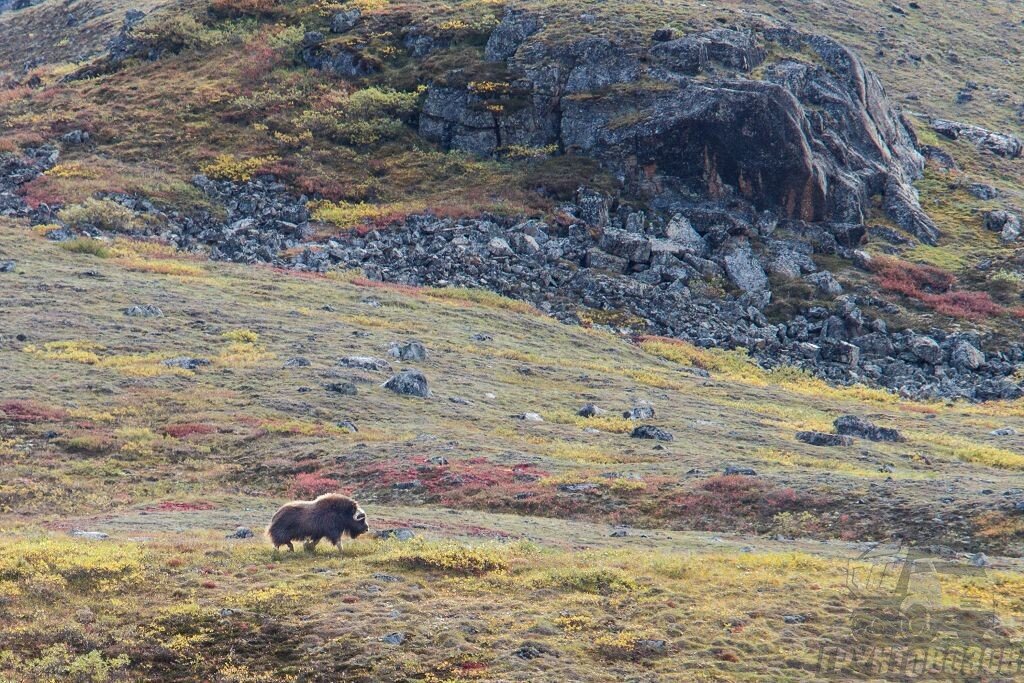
(905, 624)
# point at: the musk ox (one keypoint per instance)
(330, 516)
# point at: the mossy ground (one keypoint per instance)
(98, 434)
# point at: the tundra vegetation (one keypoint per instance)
(152, 402)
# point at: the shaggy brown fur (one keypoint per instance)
(330, 516)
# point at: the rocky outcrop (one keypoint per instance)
(807, 139)
(1000, 144)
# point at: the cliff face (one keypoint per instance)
(788, 122)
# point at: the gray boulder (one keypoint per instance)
(1004, 222)
(365, 363)
(823, 439)
(826, 283)
(143, 311)
(1000, 144)
(411, 350)
(743, 269)
(515, 27)
(651, 432)
(966, 356)
(926, 349)
(852, 425)
(346, 20)
(409, 383)
(680, 231)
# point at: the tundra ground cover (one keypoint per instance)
(169, 463)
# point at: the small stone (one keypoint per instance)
(241, 532)
(386, 578)
(143, 311)
(1004, 431)
(651, 432)
(529, 417)
(794, 618)
(620, 533)
(482, 337)
(85, 616)
(407, 485)
(409, 383)
(7, 266)
(745, 471)
(347, 425)
(297, 362)
(396, 638)
(822, 439)
(90, 535)
(979, 560)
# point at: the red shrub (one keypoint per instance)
(934, 287)
(30, 411)
(311, 484)
(185, 429)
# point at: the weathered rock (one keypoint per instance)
(90, 535)
(515, 27)
(400, 533)
(731, 470)
(966, 356)
(366, 363)
(409, 383)
(999, 144)
(852, 425)
(641, 410)
(651, 432)
(7, 266)
(626, 245)
(529, 417)
(409, 351)
(927, 349)
(823, 439)
(241, 532)
(396, 638)
(144, 311)
(1004, 222)
(346, 20)
(825, 282)
(680, 231)
(982, 191)
(743, 269)
(342, 388)
(297, 362)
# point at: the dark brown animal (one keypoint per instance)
(330, 516)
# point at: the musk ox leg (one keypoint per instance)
(310, 546)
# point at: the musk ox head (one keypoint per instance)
(359, 524)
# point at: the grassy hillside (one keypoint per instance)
(98, 434)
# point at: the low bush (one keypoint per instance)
(451, 557)
(103, 214)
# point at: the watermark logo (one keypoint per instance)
(905, 624)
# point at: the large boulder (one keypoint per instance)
(743, 268)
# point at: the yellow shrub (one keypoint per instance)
(229, 167)
(73, 351)
(968, 451)
(100, 567)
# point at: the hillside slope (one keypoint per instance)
(101, 434)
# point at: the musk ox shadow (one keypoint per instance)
(331, 516)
